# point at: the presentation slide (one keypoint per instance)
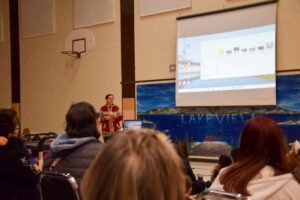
(231, 67)
(243, 59)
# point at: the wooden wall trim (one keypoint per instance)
(15, 50)
(127, 48)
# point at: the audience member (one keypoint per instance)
(74, 150)
(19, 177)
(139, 164)
(26, 134)
(224, 161)
(181, 149)
(262, 170)
(234, 154)
(197, 185)
(294, 155)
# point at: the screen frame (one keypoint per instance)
(230, 9)
(226, 9)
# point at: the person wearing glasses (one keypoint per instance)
(110, 117)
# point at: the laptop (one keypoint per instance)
(132, 124)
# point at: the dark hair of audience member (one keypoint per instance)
(181, 149)
(8, 121)
(234, 154)
(224, 161)
(81, 121)
(138, 164)
(262, 143)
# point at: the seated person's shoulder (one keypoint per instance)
(94, 145)
(14, 148)
(88, 150)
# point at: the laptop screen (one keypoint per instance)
(132, 124)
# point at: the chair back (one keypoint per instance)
(58, 186)
(211, 194)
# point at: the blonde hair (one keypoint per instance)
(135, 165)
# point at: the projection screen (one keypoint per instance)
(227, 58)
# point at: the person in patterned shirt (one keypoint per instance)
(110, 117)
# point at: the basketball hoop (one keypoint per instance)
(75, 54)
(78, 43)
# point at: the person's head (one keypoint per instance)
(9, 123)
(294, 155)
(137, 164)
(82, 121)
(224, 161)
(234, 154)
(262, 143)
(109, 98)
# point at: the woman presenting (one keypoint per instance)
(110, 117)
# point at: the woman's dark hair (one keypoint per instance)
(81, 121)
(234, 154)
(8, 121)
(108, 95)
(262, 143)
(224, 161)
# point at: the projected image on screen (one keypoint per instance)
(231, 64)
(243, 59)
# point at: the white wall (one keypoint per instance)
(51, 81)
(155, 36)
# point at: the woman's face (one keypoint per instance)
(110, 100)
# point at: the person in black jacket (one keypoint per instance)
(197, 185)
(18, 176)
(73, 151)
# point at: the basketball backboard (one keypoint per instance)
(79, 42)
